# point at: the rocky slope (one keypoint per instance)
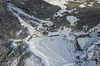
(49, 33)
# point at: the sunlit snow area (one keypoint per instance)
(59, 3)
(72, 19)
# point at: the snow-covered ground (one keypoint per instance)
(82, 5)
(72, 19)
(62, 11)
(55, 49)
(59, 3)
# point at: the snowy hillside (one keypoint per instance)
(62, 3)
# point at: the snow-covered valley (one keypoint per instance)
(51, 49)
(50, 45)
